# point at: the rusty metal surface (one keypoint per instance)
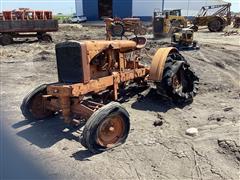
(28, 26)
(104, 66)
(96, 47)
(110, 131)
(133, 25)
(25, 14)
(115, 68)
(37, 107)
(158, 63)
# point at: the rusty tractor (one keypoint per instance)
(26, 23)
(117, 27)
(91, 75)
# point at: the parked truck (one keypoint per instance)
(26, 23)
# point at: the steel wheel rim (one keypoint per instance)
(177, 82)
(110, 131)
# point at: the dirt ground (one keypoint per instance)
(150, 152)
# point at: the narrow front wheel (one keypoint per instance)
(107, 128)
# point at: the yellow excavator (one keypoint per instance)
(164, 22)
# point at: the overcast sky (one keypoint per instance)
(65, 6)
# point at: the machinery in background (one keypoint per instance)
(92, 74)
(164, 23)
(117, 27)
(26, 23)
(236, 21)
(78, 19)
(176, 19)
(183, 40)
(215, 17)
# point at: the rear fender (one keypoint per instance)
(158, 63)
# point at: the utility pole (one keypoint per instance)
(162, 5)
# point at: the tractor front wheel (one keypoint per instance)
(33, 105)
(108, 127)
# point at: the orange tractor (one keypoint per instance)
(117, 27)
(91, 75)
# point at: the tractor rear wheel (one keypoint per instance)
(33, 105)
(117, 29)
(6, 39)
(108, 127)
(216, 25)
(44, 37)
(178, 81)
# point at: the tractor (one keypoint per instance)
(183, 39)
(117, 27)
(91, 75)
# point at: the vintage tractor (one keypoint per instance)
(92, 73)
(183, 39)
(117, 27)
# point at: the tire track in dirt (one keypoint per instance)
(204, 58)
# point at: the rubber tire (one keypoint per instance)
(219, 29)
(46, 38)
(26, 103)
(88, 137)
(119, 25)
(194, 43)
(195, 28)
(165, 87)
(6, 39)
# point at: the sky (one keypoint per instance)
(65, 6)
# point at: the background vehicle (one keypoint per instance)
(117, 27)
(78, 19)
(183, 39)
(165, 22)
(26, 23)
(216, 17)
(236, 21)
(93, 73)
(175, 17)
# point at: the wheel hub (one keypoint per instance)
(176, 82)
(110, 131)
